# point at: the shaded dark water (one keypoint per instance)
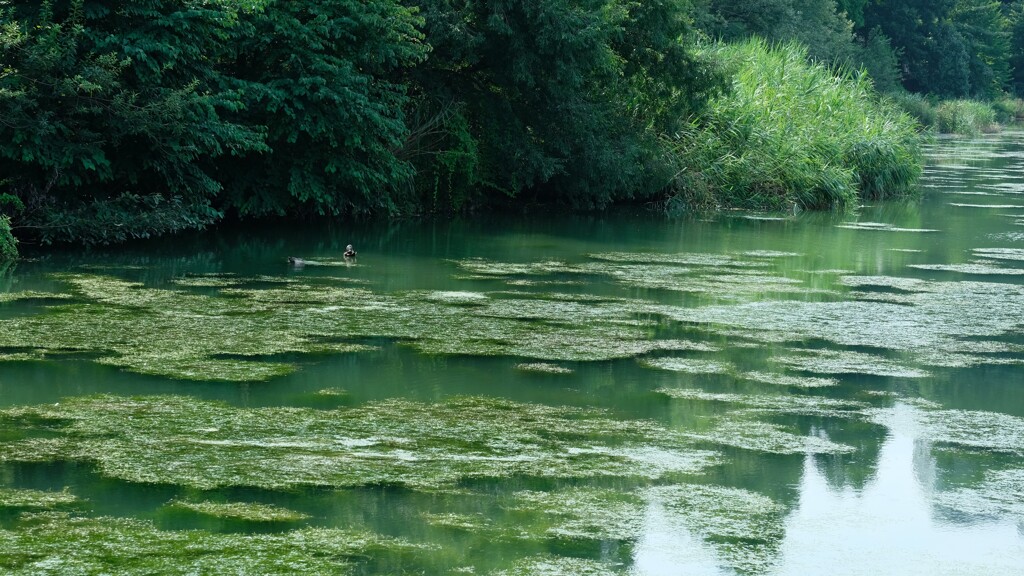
(854, 379)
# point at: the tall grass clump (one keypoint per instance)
(1008, 109)
(921, 107)
(793, 134)
(968, 117)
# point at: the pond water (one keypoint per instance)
(606, 394)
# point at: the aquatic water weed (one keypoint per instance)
(846, 362)
(964, 429)
(689, 365)
(32, 295)
(741, 431)
(744, 527)
(58, 544)
(248, 511)
(543, 367)
(35, 499)
(772, 402)
(558, 566)
(206, 445)
(876, 226)
(1000, 494)
(976, 269)
(790, 380)
(233, 334)
(584, 512)
(1015, 254)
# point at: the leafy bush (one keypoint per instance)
(791, 134)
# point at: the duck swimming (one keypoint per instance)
(296, 261)
(349, 252)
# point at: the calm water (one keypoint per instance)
(832, 393)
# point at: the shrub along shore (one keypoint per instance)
(170, 115)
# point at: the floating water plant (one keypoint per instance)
(770, 402)
(881, 227)
(790, 380)
(543, 367)
(847, 362)
(232, 334)
(740, 431)
(689, 365)
(966, 429)
(1000, 494)
(559, 566)
(32, 295)
(248, 511)
(35, 499)
(180, 440)
(595, 513)
(58, 544)
(744, 527)
(977, 269)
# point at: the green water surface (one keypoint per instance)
(605, 394)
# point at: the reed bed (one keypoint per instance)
(792, 135)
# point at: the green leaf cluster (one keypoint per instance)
(552, 102)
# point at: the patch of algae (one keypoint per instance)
(241, 334)
(846, 362)
(593, 513)
(206, 445)
(58, 544)
(1013, 254)
(739, 431)
(248, 511)
(975, 268)
(32, 295)
(1000, 494)
(790, 380)
(37, 499)
(543, 367)
(931, 320)
(724, 276)
(785, 403)
(690, 365)
(966, 429)
(545, 565)
(744, 527)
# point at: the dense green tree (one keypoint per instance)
(322, 78)
(106, 125)
(951, 48)
(551, 101)
(1015, 22)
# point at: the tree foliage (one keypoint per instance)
(551, 101)
(123, 120)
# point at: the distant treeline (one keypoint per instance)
(949, 48)
(130, 119)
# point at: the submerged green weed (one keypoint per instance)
(243, 333)
(248, 511)
(58, 544)
(180, 440)
(25, 498)
(744, 527)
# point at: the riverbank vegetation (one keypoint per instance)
(793, 135)
(169, 115)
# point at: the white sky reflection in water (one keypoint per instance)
(889, 527)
